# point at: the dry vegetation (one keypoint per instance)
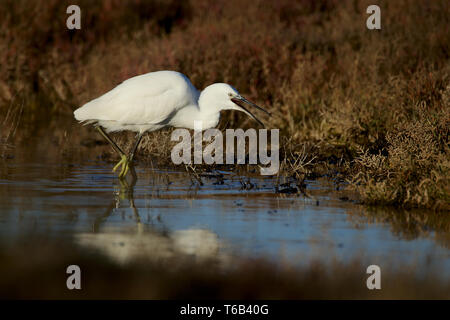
(375, 103)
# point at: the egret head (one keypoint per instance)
(222, 96)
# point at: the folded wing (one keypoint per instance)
(147, 99)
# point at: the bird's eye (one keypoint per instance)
(230, 94)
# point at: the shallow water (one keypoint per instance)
(166, 213)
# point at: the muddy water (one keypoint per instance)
(165, 213)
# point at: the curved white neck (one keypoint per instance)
(192, 115)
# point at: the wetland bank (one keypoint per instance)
(236, 235)
(364, 173)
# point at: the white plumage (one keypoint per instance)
(158, 99)
(141, 103)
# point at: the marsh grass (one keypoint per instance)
(371, 106)
(9, 125)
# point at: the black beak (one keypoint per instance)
(240, 102)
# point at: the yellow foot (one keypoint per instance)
(125, 163)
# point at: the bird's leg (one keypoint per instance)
(133, 151)
(127, 162)
(113, 144)
(123, 161)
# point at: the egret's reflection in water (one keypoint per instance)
(146, 242)
(165, 214)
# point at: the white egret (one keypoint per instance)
(156, 100)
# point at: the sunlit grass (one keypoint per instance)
(374, 104)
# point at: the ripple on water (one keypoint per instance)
(89, 203)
